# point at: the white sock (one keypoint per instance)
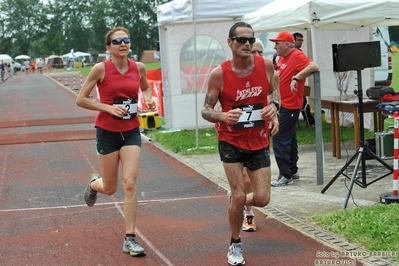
(251, 212)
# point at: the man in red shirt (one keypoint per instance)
(293, 67)
(242, 86)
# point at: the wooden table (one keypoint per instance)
(349, 104)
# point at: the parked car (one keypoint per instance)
(16, 65)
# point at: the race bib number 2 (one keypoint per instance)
(130, 105)
(250, 116)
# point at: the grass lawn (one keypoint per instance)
(184, 141)
(395, 70)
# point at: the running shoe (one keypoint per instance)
(249, 223)
(130, 245)
(295, 176)
(234, 256)
(282, 181)
(90, 195)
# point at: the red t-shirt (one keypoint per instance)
(249, 93)
(119, 89)
(287, 67)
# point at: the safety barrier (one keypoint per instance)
(157, 96)
(393, 196)
(395, 154)
(66, 80)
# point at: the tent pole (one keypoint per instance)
(195, 75)
(317, 103)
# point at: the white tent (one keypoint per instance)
(323, 14)
(74, 55)
(299, 15)
(187, 61)
(302, 15)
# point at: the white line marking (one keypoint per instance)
(109, 203)
(116, 204)
(153, 248)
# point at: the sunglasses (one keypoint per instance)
(118, 41)
(244, 40)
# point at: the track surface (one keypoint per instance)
(46, 156)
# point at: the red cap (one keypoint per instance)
(284, 36)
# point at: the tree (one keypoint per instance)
(21, 25)
(37, 29)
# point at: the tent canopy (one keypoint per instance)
(55, 61)
(22, 57)
(74, 55)
(303, 15)
(339, 14)
(180, 10)
(183, 79)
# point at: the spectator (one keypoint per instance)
(27, 66)
(40, 65)
(293, 68)
(306, 114)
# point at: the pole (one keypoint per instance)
(66, 80)
(195, 75)
(393, 196)
(395, 154)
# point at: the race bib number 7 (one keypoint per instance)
(130, 105)
(250, 116)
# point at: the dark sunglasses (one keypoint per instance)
(119, 41)
(244, 40)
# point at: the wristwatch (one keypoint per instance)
(277, 104)
(294, 78)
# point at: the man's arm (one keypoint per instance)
(208, 112)
(215, 83)
(275, 95)
(274, 80)
(269, 113)
(307, 71)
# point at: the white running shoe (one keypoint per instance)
(130, 245)
(234, 256)
(248, 223)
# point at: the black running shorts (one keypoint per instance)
(253, 160)
(108, 141)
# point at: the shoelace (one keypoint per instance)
(249, 219)
(236, 250)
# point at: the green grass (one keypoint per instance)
(395, 70)
(184, 141)
(376, 228)
(149, 66)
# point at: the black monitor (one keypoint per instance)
(356, 56)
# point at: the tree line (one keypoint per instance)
(38, 29)
(56, 26)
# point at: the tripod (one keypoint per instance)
(363, 150)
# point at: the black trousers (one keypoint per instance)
(285, 144)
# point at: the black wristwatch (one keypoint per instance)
(277, 104)
(294, 78)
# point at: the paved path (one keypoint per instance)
(46, 156)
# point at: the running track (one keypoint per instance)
(46, 156)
